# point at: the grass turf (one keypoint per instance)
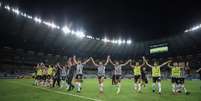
(22, 90)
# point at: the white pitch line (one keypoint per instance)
(59, 92)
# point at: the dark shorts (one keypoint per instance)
(174, 80)
(137, 78)
(117, 77)
(144, 79)
(100, 76)
(69, 79)
(180, 80)
(34, 77)
(158, 79)
(44, 77)
(78, 76)
(39, 77)
(49, 76)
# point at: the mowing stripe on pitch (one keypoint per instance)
(60, 92)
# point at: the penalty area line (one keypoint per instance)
(63, 93)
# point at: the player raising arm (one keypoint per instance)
(175, 72)
(199, 71)
(101, 73)
(118, 73)
(79, 72)
(181, 78)
(137, 75)
(71, 71)
(50, 75)
(63, 69)
(156, 73)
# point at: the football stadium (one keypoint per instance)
(100, 50)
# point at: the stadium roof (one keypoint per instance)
(144, 22)
(136, 19)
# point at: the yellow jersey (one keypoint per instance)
(156, 72)
(50, 70)
(39, 72)
(137, 70)
(176, 72)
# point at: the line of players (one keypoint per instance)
(48, 76)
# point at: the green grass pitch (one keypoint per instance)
(22, 90)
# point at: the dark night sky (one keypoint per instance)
(140, 21)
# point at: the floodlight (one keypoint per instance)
(51, 24)
(16, 11)
(23, 14)
(105, 40)
(29, 17)
(119, 41)
(80, 34)
(88, 36)
(195, 28)
(128, 41)
(66, 30)
(115, 41)
(7, 7)
(38, 20)
(123, 41)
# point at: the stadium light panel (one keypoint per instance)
(128, 41)
(38, 20)
(66, 30)
(29, 17)
(57, 27)
(186, 31)
(16, 11)
(51, 24)
(105, 40)
(23, 14)
(119, 41)
(80, 34)
(88, 36)
(73, 32)
(123, 41)
(7, 7)
(115, 41)
(193, 28)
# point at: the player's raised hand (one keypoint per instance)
(91, 58)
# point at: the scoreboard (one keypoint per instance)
(159, 48)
